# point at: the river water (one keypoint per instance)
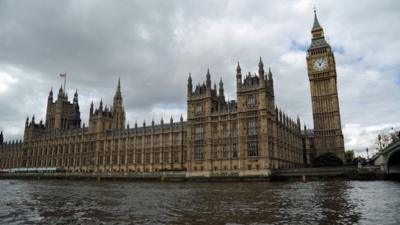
(105, 202)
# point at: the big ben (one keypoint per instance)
(322, 74)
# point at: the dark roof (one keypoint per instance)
(316, 25)
(318, 43)
(250, 80)
(149, 128)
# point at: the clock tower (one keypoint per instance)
(321, 68)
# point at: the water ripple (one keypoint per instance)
(91, 202)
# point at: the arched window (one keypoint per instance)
(252, 149)
(252, 126)
(198, 152)
(199, 133)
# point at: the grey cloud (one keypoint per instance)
(153, 45)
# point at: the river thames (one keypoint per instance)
(92, 202)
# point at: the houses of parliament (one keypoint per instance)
(249, 135)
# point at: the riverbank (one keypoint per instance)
(303, 174)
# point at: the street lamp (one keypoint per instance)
(367, 156)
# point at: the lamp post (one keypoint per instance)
(367, 156)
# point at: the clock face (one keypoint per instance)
(320, 64)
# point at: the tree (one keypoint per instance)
(385, 139)
(327, 160)
(349, 157)
(395, 135)
(382, 141)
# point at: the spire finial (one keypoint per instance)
(101, 105)
(269, 73)
(60, 91)
(316, 25)
(208, 81)
(238, 69)
(190, 79)
(119, 85)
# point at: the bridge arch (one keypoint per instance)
(392, 161)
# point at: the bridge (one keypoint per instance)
(391, 158)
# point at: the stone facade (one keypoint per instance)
(249, 135)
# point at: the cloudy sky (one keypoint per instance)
(153, 45)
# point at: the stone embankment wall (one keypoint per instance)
(304, 174)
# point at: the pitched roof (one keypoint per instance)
(316, 25)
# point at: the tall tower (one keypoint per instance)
(76, 114)
(118, 110)
(321, 68)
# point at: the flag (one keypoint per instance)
(63, 75)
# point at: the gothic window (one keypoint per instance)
(177, 139)
(252, 126)
(251, 101)
(184, 152)
(166, 140)
(234, 151)
(165, 157)
(199, 133)
(148, 141)
(147, 157)
(122, 159)
(199, 108)
(252, 149)
(225, 151)
(198, 152)
(156, 157)
(114, 159)
(215, 131)
(225, 130)
(138, 157)
(215, 152)
(156, 140)
(176, 155)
